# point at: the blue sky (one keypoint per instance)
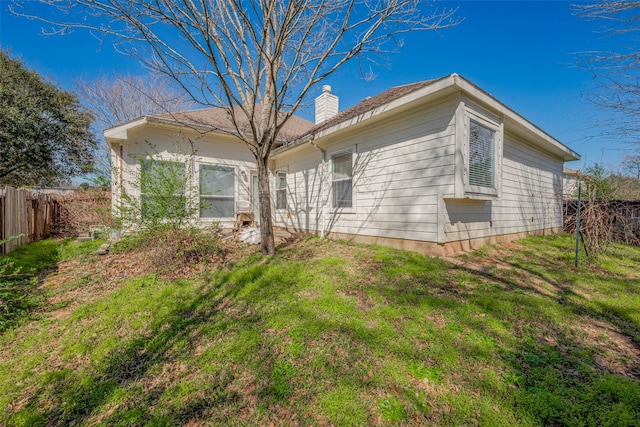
(522, 52)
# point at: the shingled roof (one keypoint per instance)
(296, 127)
(368, 104)
(298, 130)
(219, 118)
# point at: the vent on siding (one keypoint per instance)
(481, 155)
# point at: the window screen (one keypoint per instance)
(217, 191)
(481, 155)
(342, 181)
(281, 191)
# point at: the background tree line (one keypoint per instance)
(606, 184)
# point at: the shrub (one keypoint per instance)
(170, 248)
(166, 190)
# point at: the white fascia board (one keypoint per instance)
(422, 94)
(121, 131)
(516, 121)
(440, 88)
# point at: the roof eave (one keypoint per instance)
(121, 132)
(515, 120)
(440, 87)
(423, 93)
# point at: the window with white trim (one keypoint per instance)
(342, 180)
(217, 191)
(480, 142)
(482, 159)
(281, 191)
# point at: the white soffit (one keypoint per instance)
(121, 131)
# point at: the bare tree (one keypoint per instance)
(631, 163)
(616, 72)
(115, 99)
(258, 59)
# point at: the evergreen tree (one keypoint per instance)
(45, 136)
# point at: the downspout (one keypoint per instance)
(121, 176)
(324, 204)
(191, 189)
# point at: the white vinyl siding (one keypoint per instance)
(281, 191)
(531, 198)
(400, 168)
(342, 180)
(413, 177)
(211, 149)
(217, 191)
(306, 192)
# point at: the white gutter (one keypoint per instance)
(121, 131)
(440, 87)
(544, 140)
(323, 214)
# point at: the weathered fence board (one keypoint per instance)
(27, 214)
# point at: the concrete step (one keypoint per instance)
(103, 249)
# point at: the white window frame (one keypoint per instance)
(351, 151)
(284, 189)
(493, 123)
(211, 197)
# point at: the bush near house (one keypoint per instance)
(331, 333)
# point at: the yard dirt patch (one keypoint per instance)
(79, 281)
(617, 353)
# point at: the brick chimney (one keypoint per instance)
(326, 105)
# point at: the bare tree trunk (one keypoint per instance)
(258, 60)
(267, 243)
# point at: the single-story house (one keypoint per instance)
(437, 166)
(570, 183)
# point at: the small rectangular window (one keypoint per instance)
(481, 155)
(342, 181)
(217, 191)
(281, 191)
(162, 188)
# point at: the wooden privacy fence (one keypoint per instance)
(27, 214)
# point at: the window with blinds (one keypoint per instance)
(281, 191)
(342, 181)
(217, 191)
(481, 155)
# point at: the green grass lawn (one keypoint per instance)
(330, 333)
(20, 274)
